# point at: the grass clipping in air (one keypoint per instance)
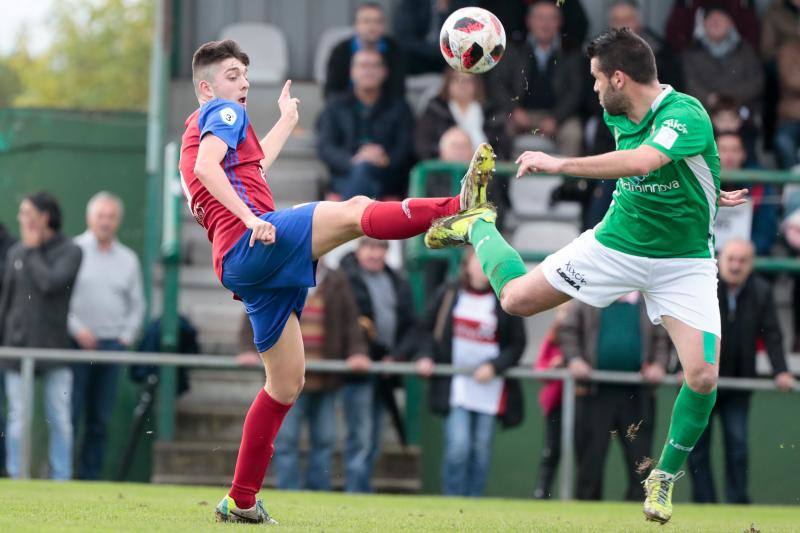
(119, 507)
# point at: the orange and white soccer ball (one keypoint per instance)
(472, 40)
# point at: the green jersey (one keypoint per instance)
(669, 212)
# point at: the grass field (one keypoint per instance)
(75, 506)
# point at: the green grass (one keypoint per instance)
(75, 506)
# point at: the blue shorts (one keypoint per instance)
(273, 280)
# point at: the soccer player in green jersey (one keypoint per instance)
(657, 236)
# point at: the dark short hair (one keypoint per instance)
(46, 203)
(725, 102)
(630, 3)
(216, 51)
(625, 51)
(729, 133)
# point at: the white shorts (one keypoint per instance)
(685, 289)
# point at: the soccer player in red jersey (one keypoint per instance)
(267, 258)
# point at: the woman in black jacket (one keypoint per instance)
(466, 327)
(462, 103)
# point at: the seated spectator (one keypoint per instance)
(619, 337)
(537, 84)
(627, 14)
(748, 313)
(386, 315)
(460, 103)
(330, 330)
(728, 116)
(419, 22)
(40, 273)
(780, 25)
(765, 207)
(466, 327)
(720, 61)
(683, 26)
(370, 34)
(512, 14)
(550, 397)
(106, 313)
(787, 137)
(364, 135)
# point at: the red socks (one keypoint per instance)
(261, 425)
(401, 220)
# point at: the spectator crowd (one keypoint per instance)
(744, 66)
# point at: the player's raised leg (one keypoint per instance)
(336, 223)
(284, 364)
(698, 352)
(520, 292)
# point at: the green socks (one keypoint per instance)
(689, 419)
(499, 260)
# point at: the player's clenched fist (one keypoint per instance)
(263, 231)
(287, 104)
(538, 162)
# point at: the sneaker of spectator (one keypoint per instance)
(369, 24)
(365, 135)
(536, 88)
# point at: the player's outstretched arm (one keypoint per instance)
(207, 169)
(273, 142)
(619, 164)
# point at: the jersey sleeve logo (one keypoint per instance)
(666, 137)
(228, 115)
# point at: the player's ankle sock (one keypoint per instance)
(689, 420)
(261, 425)
(401, 220)
(500, 262)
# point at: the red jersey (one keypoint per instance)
(242, 164)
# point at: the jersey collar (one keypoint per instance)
(665, 91)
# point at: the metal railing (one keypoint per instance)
(30, 356)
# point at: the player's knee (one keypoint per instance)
(702, 379)
(513, 303)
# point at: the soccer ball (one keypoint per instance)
(472, 40)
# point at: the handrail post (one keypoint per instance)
(26, 440)
(567, 438)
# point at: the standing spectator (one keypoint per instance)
(720, 61)
(619, 337)
(787, 137)
(550, 397)
(365, 134)
(39, 275)
(685, 20)
(780, 25)
(106, 313)
(387, 316)
(466, 327)
(764, 226)
(538, 84)
(627, 14)
(6, 241)
(329, 325)
(462, 103)
(370, 34)
(748, 313)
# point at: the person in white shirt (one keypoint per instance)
(106, 313)
(466, 327)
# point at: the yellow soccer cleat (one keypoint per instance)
(227, 511)
(474, 182)
(454, 230)
(658, 495)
